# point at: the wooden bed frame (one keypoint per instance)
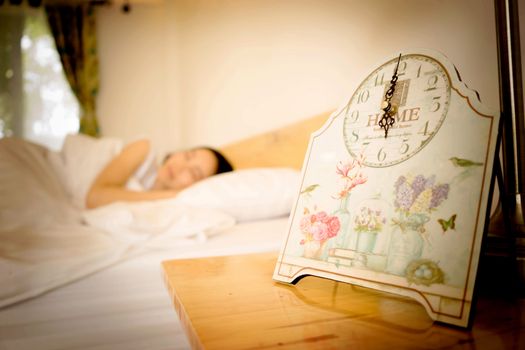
(284, 147)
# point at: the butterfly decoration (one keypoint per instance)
(448, 224)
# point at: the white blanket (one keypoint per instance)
(44, 239)
(157, 222)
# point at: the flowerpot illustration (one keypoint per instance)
(406, 245)
(416, 197)
(314, 249)
(366, 241)
(368, 223)
(318, 229)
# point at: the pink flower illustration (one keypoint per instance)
(351, 175)
(358, 179)
(319, 227)
(343, 169)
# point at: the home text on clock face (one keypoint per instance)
(422, 97)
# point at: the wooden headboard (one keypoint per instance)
(284, 147)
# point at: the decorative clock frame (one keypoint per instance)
(406, 213)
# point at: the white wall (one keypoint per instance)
(192, 72)
(139, 93)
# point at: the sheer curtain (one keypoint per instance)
(36, 102)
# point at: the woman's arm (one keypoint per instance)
(109, 186)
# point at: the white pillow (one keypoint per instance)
(82, 159)
(248, 194)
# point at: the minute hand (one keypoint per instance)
(387, 120)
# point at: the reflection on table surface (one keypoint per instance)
(233, 303)
(499, 323)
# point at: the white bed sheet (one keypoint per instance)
(125, 306)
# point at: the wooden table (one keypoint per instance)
(233, 303)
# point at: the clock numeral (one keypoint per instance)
(381, 154)
(404, 146)
(401, 70)
(432, 83)
(379, 80)
(418, 72)
(355, 136)
(354, 116)
(424, 130)
(435, 104)
(363, 96)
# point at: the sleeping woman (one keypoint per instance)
(134, 176)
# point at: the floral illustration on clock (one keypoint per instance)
(419, 105)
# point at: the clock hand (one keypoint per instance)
(387, 120)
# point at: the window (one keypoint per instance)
(36, 101)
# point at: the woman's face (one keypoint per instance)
(184, 168)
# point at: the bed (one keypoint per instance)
(76, 279)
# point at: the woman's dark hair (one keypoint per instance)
(223, 165)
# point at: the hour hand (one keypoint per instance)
(387, 120)
(389, 110)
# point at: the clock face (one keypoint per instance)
(422, 97)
